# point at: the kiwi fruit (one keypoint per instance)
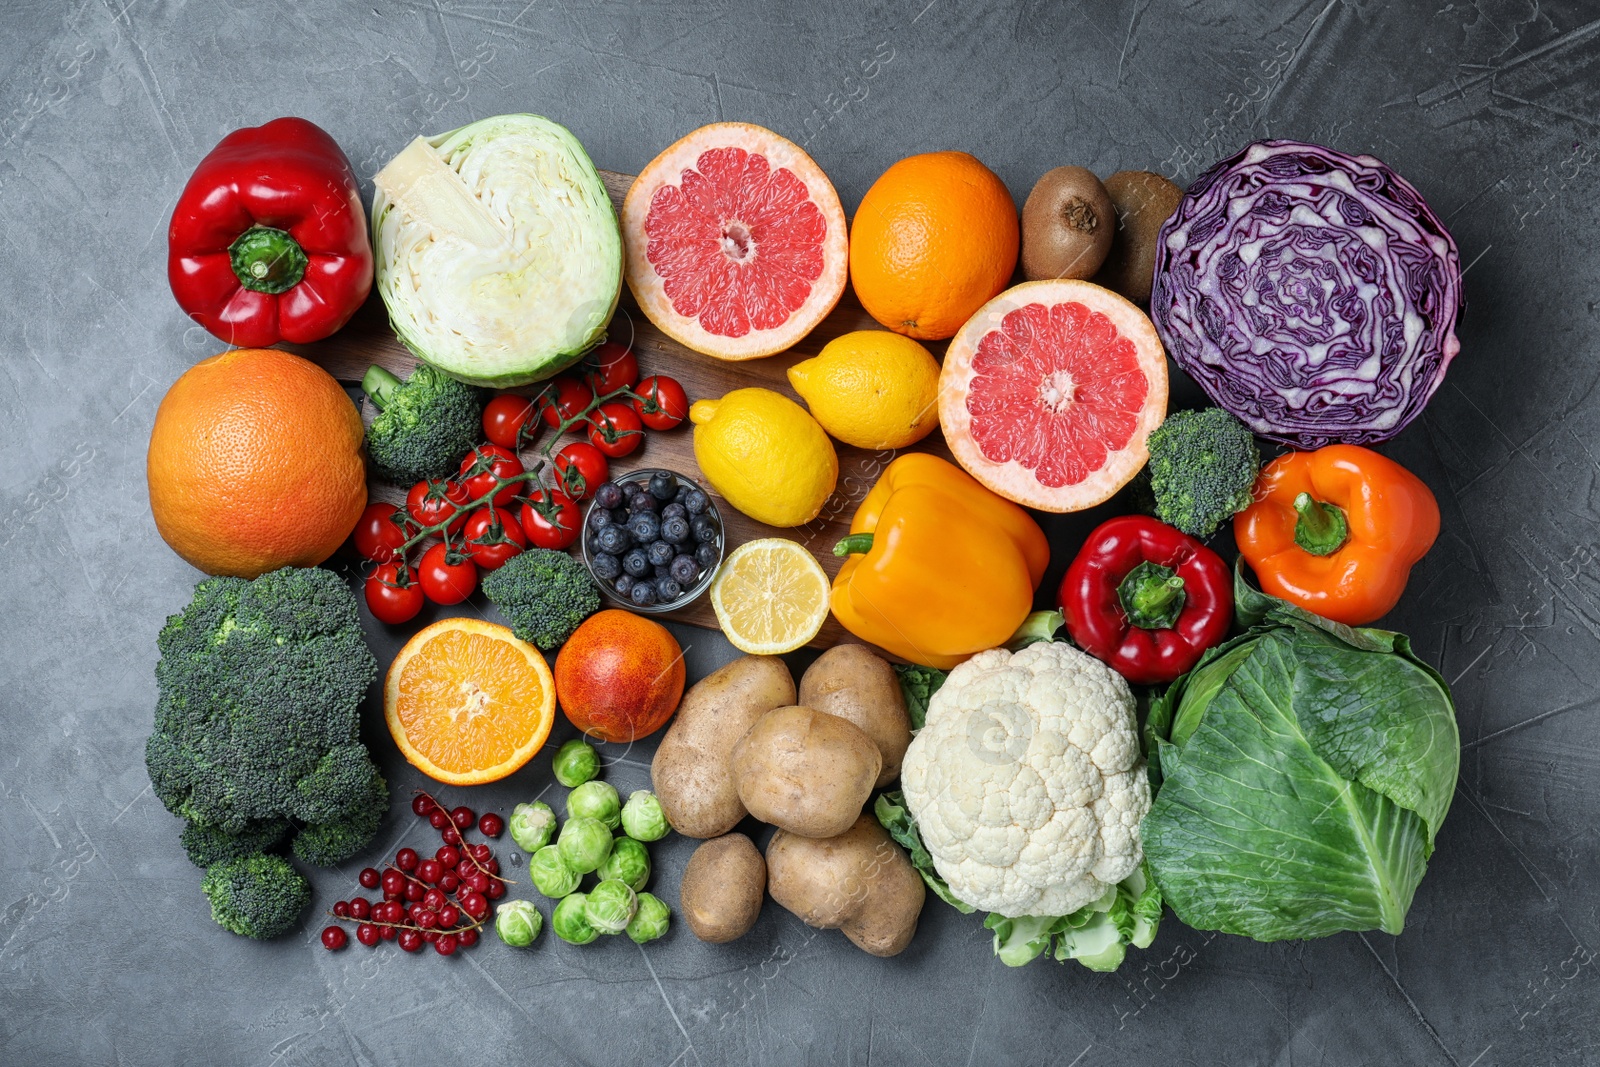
(1068, 224)
(1143, 201)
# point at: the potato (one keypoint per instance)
(859, 882)
(722, 888)
(860, 687)
(805, 771)
(690, 772)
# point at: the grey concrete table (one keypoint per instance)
(107, 954)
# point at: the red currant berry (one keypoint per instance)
(466, 869)
(367, 934)
(463, 817)
(473, 904)
(426, 919)
(369, 878)
(406, 859)
(435, 899)
(445, 945)
(479, 882)
(448, 856)
(467, 938)
(496, 890)
(491, 825)
(410, 940)
(481, 852)
(360, 908)
(430, 936)
(341, 909)
(393, 882)
(334, 938)
(449, 881)
(414, 892)
(428, 871)
(439, 819)
(491, 865)
(449, 915)
(386, 932)
(422, 804)
(450, 835)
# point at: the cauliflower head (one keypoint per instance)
(1026, 781)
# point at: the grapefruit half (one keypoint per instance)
(1049, 391)
(735, 242)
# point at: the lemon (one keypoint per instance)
(871, 388)
(770, 596)
(765, 455)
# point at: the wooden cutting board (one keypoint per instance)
(368, 340)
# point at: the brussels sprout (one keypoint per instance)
(650, 921)
(569, 921)
(518, 922)
(532, 826)
(610, 906)
(642, 817)
(576, 762)
(550, 874)
(596, 800)
(584, 843)
(629, 862)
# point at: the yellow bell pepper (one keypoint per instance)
(939, 567)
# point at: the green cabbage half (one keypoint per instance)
(498, 251)
(1304, 769)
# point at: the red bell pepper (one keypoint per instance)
(269, 238)
(1146, 599)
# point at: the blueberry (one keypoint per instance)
(663, 486)
(675, 529)
(623, 584)
(660, 553)
(613, 539)
(620, 516)
(643, 593)
(683, 491)
(706, 555)
(705, 531)
(674, 510)
(640, 502)
(663, 571)
(599, 517)
(685, 570)
(696, 502)
(636, 563)
(606, 567)
(630, 490)
(609, 495)
(668, 590)
(644, 527)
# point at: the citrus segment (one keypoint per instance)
(467, 702)
(770, 596)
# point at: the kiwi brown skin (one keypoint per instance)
(1143, 201)
(1068, 224)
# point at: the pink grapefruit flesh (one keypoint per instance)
(1049, 391)
(735, 240)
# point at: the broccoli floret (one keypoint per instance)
(1203, 465)
(256, 896)
(425, 424)
(259, 688)
(207, 845)
(325, 844)
(543, 594)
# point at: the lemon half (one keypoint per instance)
(770, 596)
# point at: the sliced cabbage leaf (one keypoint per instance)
(499, 256)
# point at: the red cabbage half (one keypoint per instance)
(1312, 294)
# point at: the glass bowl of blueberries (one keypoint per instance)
(652, 539)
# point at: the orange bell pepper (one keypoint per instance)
(939, 567)
(1336, 531)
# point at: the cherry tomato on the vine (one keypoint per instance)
(506, 419)
(379, 533)
(552, 520)
(582, 469)
(493, 536)
(610, 367)
(448, 575)
(665, 404)
(614, 429)
(433, 502)
(393, 594)
(486, 465)
(563, 400)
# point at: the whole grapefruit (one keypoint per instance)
(255, 463)
(620, 676)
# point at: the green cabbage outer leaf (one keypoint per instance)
(918, 684)
(895, 817)
(1303, 772)
(498, 252)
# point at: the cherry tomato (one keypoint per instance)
(448, 575)
(379, 533)
(393, 594)
(432, 502)
(506, 418)
(665, 404)
(563, 400)
(552, 520)
(582, 469)
(493, 536)
(614, 429)
(486, 465)
(609, 368)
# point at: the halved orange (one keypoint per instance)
(467, 702)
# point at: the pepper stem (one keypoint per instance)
(1322, 528)
(379, 385)
(852, 543)
(267, 260)
(1152, 596)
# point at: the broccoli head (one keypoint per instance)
(207, 845)
(425, 424)
(543, 594)
(256, 896)
(259, 689)
(1203, 466)
(332, 841)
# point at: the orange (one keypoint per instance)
(467, 702)
(934, 239)
(255, 463)
(620, 676)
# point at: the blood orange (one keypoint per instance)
(1048, 393)
(736, 244)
